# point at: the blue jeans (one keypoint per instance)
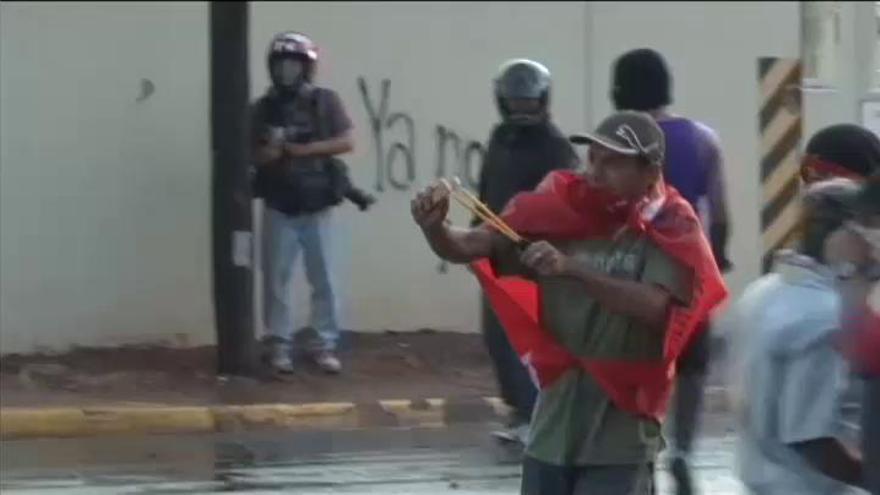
(284, 238)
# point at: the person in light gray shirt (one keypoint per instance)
(788, 376)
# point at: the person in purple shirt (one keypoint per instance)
(641, 81)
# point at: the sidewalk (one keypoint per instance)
(390, 379)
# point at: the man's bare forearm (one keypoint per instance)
(646, 303)
(328, 147)
(459, 245)
(335, 146)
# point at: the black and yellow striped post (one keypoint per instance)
(780, 122)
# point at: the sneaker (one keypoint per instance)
(328, 362)
(279, 360)
(516, 433)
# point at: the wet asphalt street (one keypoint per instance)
(457, 460)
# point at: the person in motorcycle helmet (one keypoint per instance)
(523, 148)
(292, 60)
(297, 131)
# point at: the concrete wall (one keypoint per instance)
(104, 201)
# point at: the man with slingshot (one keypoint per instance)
(600, 280)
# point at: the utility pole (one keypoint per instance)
(230, 189)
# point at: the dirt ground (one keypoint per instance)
(410, 365)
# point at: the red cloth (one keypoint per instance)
(567, 206)
(863, 345)
(815, 169)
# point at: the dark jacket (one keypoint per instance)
(518, 158)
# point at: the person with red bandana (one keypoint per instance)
(853, 152)
(845, 151)
(615, 279)
(788, 376)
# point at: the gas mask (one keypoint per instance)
(288, 73)
(524, 111)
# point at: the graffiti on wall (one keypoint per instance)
(396, 166)
(390, 157)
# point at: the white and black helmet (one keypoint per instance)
(292, 45)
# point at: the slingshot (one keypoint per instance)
(470, 202)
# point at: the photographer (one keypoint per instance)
(297, 128)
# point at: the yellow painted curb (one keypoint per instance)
(29, 423)
(324, 415)
(428, 412)
(73, 422)
(21, 423)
